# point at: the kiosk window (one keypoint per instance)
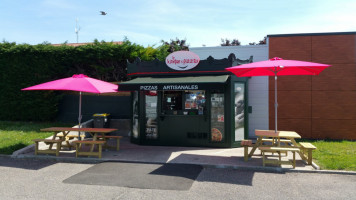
(172, 101)
(189, 102)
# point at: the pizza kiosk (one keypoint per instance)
(186, 101)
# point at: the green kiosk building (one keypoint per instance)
(186, 101)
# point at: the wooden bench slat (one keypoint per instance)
(74, 136)
(117, 137)
(89, 141)
(307, 151)
(271, 140)
(246, 144)
(279, 149)
(98, 142)
(46, 140)
(110, 136)
(307, 145)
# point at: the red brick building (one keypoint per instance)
(322, 106)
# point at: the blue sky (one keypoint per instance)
(147, 22)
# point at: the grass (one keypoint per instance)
(335, 155)
(17, 135)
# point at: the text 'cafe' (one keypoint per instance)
(186, 101)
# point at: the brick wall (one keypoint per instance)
(322, 106)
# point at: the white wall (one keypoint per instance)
(258, 86)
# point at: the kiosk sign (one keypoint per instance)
(182, 60)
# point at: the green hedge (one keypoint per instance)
(24, 65)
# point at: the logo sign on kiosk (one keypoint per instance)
(182, 60)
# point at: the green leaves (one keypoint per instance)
(24, 65)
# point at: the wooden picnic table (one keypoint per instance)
(261, 134)
(94, 132)
(276, 138)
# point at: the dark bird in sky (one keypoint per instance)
(103, 13)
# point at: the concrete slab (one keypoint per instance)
(209, 157)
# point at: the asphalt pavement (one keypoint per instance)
(49, 179)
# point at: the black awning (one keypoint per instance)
(175, 83)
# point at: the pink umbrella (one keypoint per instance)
(78, 82)
(277, 67)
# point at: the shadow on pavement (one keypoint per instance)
(30, 164)
(179, 170)
(229, 176)
(139, 175)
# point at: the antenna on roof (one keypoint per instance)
(77, 29)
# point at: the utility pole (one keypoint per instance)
(77, 29)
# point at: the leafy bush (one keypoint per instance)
(24, 65)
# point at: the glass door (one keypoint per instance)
(135, 118)
(239, 92)
(217, 117)
(151, 132)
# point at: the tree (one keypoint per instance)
(261, 42)
(34, 64)
(168, 47)
(176, 45)
(226, 42)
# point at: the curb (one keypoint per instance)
(23, 150)
(279, 170)
(314, 165)
(58, 159)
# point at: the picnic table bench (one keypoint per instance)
(306, 150)
(78, 144)
(111, 137)
(68, 138)
(49, 150)
(246, 144)
(278, 150)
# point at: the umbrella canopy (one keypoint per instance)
(80, 83)
(277, 67)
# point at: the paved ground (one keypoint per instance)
(143, 175)
(214, 157)
(47, 179)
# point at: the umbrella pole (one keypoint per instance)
(80, 114)
(275, 103)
